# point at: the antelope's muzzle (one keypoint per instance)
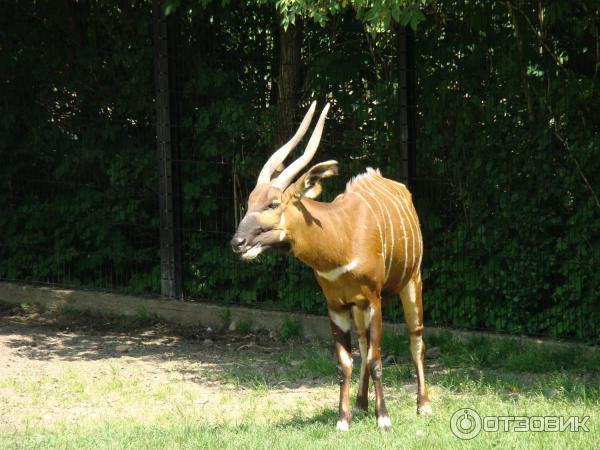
(238, 243)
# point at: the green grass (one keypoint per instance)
(287, 399)
(245, 326)
(506, 353)
(315, 432)
(291, 328)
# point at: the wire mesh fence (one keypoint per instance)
(81, 207)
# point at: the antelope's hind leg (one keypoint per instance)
(412, 304)
(375, 366)
(361, 319)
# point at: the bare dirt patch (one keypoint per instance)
(58, 367)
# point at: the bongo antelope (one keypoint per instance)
(364, 243)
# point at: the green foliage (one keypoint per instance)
(77, 146)
(291, 328)
(226, 319)
(513, 243)
(376, 14)
(245, 326)
(507, 139)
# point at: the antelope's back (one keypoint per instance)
(394, 225)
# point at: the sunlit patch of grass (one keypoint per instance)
(316, 431)
(113, 381)
(287, 399)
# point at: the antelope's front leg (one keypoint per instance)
(375, 366)
(340, 326)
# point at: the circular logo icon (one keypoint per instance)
(465, 423)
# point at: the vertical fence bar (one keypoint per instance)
(407, 104)
(167, 142)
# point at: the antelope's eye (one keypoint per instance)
(273, 205)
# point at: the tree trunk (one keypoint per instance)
(407, 104)
(77, 14)
(288, 81)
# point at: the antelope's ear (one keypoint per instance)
(309, 184)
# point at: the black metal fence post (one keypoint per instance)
(407, 103)
(167, 141)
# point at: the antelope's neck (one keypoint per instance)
(319, 233)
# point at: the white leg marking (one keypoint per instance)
(334, 274)
(425, 409)
(341, 320)
(409, 301)
(345, 358)
(416, 345)
(368, 316)
(384, 422)
(342, 425)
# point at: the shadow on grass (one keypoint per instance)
(327, 417)
(44, 341)
(507, 367)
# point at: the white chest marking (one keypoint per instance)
(281, 227)
(334, 274)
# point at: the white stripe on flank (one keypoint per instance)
(420, 241)
(417, 233)
(416, 220)
(367, 190)
(376, 223)
(379, 184)
(396, 202)
(335, 213)
(334, 274)
(391, 224)
(411, 219)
